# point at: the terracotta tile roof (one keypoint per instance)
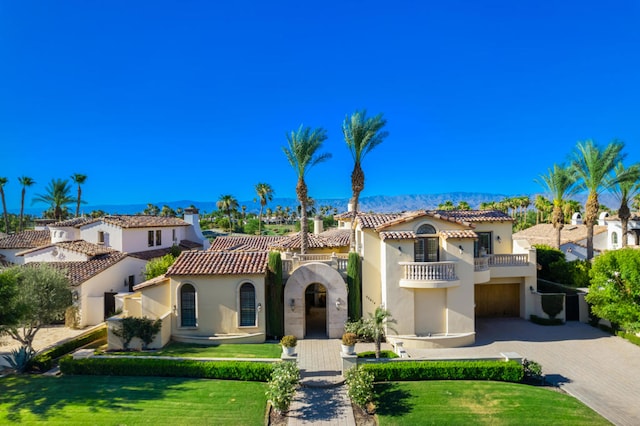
(142, 221)
(245, 243)
(474, 215)
(545, 233)
(190, 245)
(79, 272)
(151, 254)
(397, 235)
(79, 246)
(368, 220)
(458, 233)
(219, 263)
(150, 283)
(75, 222)
(329, 239)
(26, 239)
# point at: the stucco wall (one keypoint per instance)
(54, 254)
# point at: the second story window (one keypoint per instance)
(150, 238)
(158, 237)
(482, 246)
(427, 245)
(100, 237)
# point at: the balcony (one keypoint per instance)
(290, 262)
(429, 275)
(502, 265)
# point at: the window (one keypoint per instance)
(131, 282)
(247, 305)
(426, 249)
(187, 305)
(158, 237)
(614, 239)
(173, 235)
(150, 238)
(482, 245)
(100, 237)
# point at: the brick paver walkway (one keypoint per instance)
(601, 370)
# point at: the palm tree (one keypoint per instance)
(3, 182)
(227, 204)
(447, 205)
(265, 193)
(302, 153)
(25, 181)
(78, 179)
(543, 206)
(626, 190)
(374, 326)
(362, 134)
(592, 166)
(571, 207)
(560, 181)
(463, 205)
(58, 195)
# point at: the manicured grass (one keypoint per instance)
(474, 402)
(130, 400)
(231, 350)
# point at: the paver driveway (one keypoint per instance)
(601, 370)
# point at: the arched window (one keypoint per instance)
(426, 249)
(614, 238)
(247, 305)
(187, 306)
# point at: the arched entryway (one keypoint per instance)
(315, 308)
(320, 281)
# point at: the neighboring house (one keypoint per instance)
(103, 257)
(614, 230)
(435, 271)
(573, 237)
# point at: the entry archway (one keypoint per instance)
(315, 308)
(295, 299)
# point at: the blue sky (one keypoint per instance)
(173, 100)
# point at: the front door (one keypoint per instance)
(109, 304)
(315, 302)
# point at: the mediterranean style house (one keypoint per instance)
(103, 257)
(435, 271)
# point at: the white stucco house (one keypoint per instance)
(104, 258)
(435, 271)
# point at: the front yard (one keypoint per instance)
(130, 400)
(478, 402)
(227, 350)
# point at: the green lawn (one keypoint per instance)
(231, 350)
(475, 402)
(100, 400)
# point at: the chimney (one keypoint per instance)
(576, 219)
(317, 225)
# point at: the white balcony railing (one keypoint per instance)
(521, 259)
(290, 262)
(481, 263)
(429, 271)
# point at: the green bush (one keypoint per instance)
(372, 354)
(506, 371)
(122, 366)
(143, 328)
(552, 304)
(545, 256)
(44, 361)
(282, 385)
(359, 386)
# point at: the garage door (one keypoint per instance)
(497, 300)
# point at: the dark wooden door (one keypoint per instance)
(109, 304)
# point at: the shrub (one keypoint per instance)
(552, 304)
(135, 366)
(532, 370)
(359, 386)
(506, 371)
(349, 339)
(282, 385)
(143, 328)
(289, 341)
(19, 359)
(45, 360)
(383, 354)
(546, 321)
(545, 256)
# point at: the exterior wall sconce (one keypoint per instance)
(292, 304)
(175, 309)
(259, 307)
(75, 296)
(400, 249)
(498, 239)
(461, 249)
(531, 289)
(338, 304)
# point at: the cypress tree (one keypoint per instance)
(275, 296)
(354, 286)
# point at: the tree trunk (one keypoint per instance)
(357, 185)
(260, 221)
(558, 222)
(591, 214)
(624, 214)
(301, 190)
(4, 209)
(78, 200)
(24, 191)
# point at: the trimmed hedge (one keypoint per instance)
(135, 366)
(505, 371)
(383, 354)
(44, 361)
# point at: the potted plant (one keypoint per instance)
(349, 343)
(288, 343)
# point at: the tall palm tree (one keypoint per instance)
(227, 204)
(560, 181)
(265, 193)
(78, 179)
(3, 182)
(25, 181)
(362, 134)
(302, 153)
(592, 166)
(625, 190)
(57, 195)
